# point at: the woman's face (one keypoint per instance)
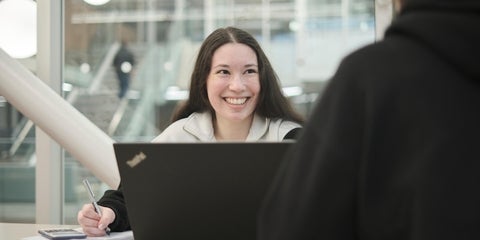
(233, 83)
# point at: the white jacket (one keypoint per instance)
(198, 128)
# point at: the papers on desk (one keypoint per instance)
(127, 235)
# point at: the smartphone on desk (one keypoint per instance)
(62, 233)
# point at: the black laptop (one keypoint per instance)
(188, 191)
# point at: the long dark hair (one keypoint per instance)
(271, 103)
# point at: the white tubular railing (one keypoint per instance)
(60, 120)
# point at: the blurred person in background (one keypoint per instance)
(123, 63)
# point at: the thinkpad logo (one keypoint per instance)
(136, 159)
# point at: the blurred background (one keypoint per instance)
(304, 40)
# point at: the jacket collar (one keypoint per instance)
(200, 125)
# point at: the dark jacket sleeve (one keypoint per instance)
(114, 199)
(313, 194)
(293, 134)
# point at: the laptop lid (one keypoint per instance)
(196, 190)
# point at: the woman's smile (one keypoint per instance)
(236, 101)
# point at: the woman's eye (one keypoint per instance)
(249, 71)
(222, 72)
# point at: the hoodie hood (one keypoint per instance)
(451, 28)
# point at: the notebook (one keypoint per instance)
(196, 190)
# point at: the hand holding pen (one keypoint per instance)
(97, 208)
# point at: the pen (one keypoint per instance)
(94, 202)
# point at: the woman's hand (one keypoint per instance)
(92, 224)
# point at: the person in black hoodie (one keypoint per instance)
(392, 149)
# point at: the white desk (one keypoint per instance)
(15, 231)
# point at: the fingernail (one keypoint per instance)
(101, 226)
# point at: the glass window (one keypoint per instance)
(304, 40)
(17, 133)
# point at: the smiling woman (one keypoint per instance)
(233, 86)
(18, 27)
(235, 95)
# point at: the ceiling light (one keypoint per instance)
(18, 26)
